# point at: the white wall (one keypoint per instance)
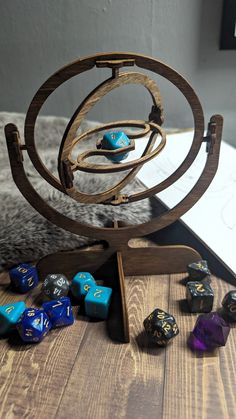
(37, 37)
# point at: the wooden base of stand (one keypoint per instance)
(142, 258)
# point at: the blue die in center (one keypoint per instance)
(81, 283)
(59, 312)
(24, 277)
(114, 141)
(97, 302)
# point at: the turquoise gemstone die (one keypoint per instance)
(114, 141)
(10, 314)
(97, 302)
(81, 284)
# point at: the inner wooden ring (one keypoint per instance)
(82, 165)
(70, 140)
(104, 196)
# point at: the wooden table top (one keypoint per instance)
(77, 372)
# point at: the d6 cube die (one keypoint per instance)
(161, 327)
(200, 297)
(198, 270)
(229, 305)
(59, 312)
(33, 325)
(24, 277)
(81, 283)
(97, 302)
(55, 286)
(114, 141)
(9, 315)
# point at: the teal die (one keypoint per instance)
(81, 284)
(10, 314)
(114, 141)
(97, 302)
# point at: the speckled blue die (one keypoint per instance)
(97, 302)
(9, 315)
(81, 283)
(114, 141)
(33, 325)
(24, 277)
(59, 312)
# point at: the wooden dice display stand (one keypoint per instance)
(113, 256)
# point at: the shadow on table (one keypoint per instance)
(147, 346)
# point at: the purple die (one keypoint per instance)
(59, 312)
(210, 331)
(33, 325)
(24, 277)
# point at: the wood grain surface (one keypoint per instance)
(77, 372)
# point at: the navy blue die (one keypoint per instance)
(33, 325)
(59, 312)
(24, 277)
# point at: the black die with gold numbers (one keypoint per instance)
(229, 305)
(198, 270)
(161, 327)
(200, 296)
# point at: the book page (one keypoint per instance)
(213, 217)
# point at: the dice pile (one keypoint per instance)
(211, 329)
(33, 324)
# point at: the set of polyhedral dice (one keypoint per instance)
(212, 329)
(32, 323)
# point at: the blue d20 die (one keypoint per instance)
(9, 315)
(114, 141)
(59, 312)
(24, 277)
(97, 302)
(33, 325)
(81, 284)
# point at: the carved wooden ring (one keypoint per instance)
(70, 140)
(157, 223)
(111, 168)
(88, 63)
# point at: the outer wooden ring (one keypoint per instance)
(87, 63)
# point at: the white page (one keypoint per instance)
(213, 217)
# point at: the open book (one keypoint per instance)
(213, 218)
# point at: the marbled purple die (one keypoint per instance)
(210, 331)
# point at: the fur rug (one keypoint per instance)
(24, 234)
